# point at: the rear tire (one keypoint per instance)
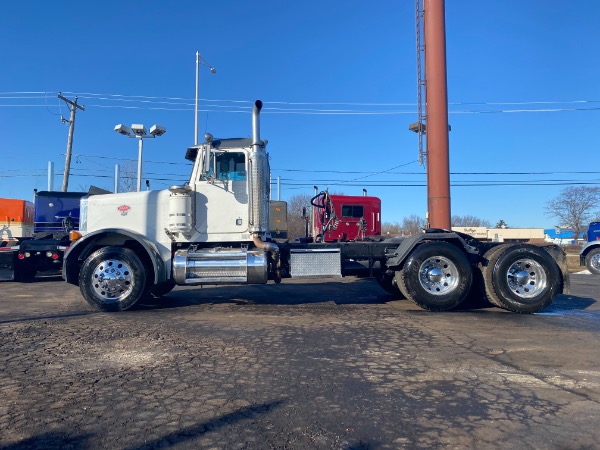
(485, 268)
(387, 281)
(112, 279)
(436, 276)
(522, 278)
(592, 261)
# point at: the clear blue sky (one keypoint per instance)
(338, 79)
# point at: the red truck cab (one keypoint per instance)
(346, 217)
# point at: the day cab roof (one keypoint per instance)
(219, 144)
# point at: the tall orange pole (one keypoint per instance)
(438, 167)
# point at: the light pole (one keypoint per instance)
(138, 131)
(199, 61)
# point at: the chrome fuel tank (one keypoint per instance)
(220, 266)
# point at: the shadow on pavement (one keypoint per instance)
(51, 316)
(186, 434)
(337, 292)
(52, 440)
(565, 303)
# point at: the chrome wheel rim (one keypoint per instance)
(438, 275)
(526, 278)
(595, 261)
(112, 280)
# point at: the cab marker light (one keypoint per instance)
(74, 235)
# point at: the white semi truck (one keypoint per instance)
(215, 230)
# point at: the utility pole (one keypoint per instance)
(73, 108)
(438, 157)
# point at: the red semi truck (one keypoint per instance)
(342, 218)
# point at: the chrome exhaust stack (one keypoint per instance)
(259, 187)
(256, 123)
(258, 181)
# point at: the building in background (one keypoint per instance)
(562, 236)
(531, 235)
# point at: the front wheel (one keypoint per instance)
(437, 276)
(112, 279)
(592, 261)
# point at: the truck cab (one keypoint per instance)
(590, 253)
(212, 230)
(343, 218)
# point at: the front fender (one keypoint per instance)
(586, 249)
(81, 249)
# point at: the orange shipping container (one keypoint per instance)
(16, 219)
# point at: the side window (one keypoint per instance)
(227, 166)
(356, 211)
(231, 166)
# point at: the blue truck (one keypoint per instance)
(56, 214)
(590, 253)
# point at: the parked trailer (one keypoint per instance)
(215, 230)
(52, 216)
(16, 221)
(17, 217)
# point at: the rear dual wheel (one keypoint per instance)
(437, 276)
(521, 278)
(386, 279)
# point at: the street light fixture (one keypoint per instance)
(138, 131)
(199, 61)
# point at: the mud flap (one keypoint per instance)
(7, 264)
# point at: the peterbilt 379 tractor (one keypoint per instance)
(215, 230)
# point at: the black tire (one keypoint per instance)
(385, 278)
(592, 261)
(436, 276)
(161, 289)
(485, 269)
(112, 279)
(523, 278)
(476, 298)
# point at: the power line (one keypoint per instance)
(283, 107)
(267, 110)
(500, 184)
(340, 103)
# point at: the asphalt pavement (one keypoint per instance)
(333, 364)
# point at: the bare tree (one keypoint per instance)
(469, 221)
(296, 223)
(573, 207)
(391, 228)
(413, 224)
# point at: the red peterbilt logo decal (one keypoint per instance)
(124, 209)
